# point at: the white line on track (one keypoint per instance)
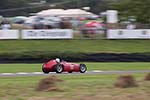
(97, 71)
(75, 73)
(37, 73)
(21, 73)
(7, 73)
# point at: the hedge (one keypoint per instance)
(44, 56)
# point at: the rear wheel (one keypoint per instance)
(83, 68)
(59, 68)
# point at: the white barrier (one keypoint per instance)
(47, 34)
(9, 34)
(128, 34)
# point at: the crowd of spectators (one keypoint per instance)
(37, 22)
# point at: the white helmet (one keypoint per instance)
(57, 60)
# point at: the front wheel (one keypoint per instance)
(83, 68)
(59, 68)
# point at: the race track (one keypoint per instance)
(88, 72)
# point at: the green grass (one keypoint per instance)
(119, 66)
(86, 46)
(78, 87)
(5, 68)
(12, 68)
(24, 87)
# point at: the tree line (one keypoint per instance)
(8, 7)
(140, 9)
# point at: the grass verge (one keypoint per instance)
(85, 46)
(12, 68)
(78, 87)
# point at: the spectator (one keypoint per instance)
(38, 25)
(131, 26)
(5, 25)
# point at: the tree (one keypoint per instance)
(6, 4)
(11, 4)
(138, 8)
(96, 5)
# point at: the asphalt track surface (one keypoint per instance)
(75, 73)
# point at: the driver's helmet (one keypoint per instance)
(57, 60)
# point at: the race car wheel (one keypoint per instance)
(59, 68)
(83, 68)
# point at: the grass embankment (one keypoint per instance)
(73, 50)
(12, 68)
(85, 46)
(82, 87)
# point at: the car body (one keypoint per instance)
(63, 66)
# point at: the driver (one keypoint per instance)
(57, 60)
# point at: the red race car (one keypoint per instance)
(58, 66)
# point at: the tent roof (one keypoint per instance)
(50, 12)
(62, 12)
(76, 12)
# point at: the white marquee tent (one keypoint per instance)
(67, 13)
(51, 12)
(77, 13)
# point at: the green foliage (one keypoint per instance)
(96, 6)
(40, 56)
(43, 50)
(6, 4)
(137, 8)
(7, 7)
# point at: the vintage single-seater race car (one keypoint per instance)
(55, 65)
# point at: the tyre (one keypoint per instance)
(44, 70)
(83, 68)
(59, 68)
(70, 72)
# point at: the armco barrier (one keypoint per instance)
(47, 34)
(128, 34)
(9, 34)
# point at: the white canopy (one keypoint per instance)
(51, 12)
(76, 13)
(67, 13)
